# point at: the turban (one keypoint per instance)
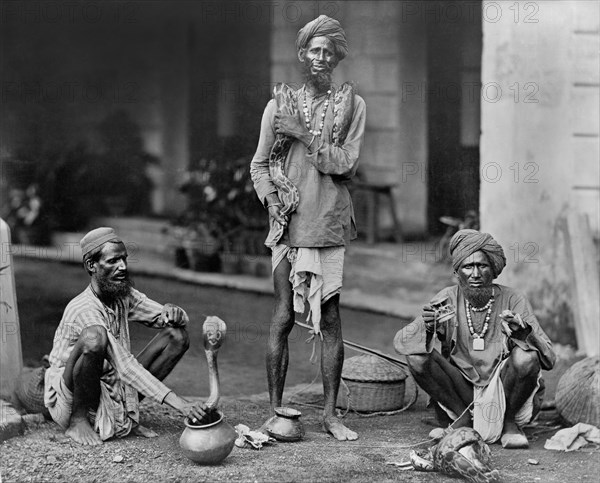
(466, 242)
(96, 239)
(324, 26)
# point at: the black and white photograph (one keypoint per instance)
(299, 240)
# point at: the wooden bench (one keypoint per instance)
(375, 184)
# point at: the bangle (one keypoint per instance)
(274, 204)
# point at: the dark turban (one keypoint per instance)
(466, 242)
(324, 26)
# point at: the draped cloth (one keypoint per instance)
(324, 26)
(466, 242)
(113, 416)
(316, 276)
(489, 407)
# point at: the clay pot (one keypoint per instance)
(286, 425)
(210, 443)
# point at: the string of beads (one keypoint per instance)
(315, 132)
(486, 322)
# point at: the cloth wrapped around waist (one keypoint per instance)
(316, 276)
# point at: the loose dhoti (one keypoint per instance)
(112, 417)
(316, 276)
(489, 407)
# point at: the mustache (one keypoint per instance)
(320, 80)
(477, 296)
(115, 289)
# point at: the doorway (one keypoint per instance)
(453, 112)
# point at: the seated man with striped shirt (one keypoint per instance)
(92, 384)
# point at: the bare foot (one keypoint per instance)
(513, 437)
(143, 431)
(340, 432)
(81, 432)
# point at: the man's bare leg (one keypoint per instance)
(282, 323)
(519, 377)
(82, 376)
(160, 357)
(164, 351)
(332, 360)
(444, 383)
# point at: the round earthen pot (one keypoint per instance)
(208, 444)
(286, 425)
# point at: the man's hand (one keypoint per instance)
(195, 412)
(428, 314)
(513, 325)
(432, 323)
(275, 212)
(289, 126)
(172, 316)
(274, 206)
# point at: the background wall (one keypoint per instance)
(540, 146)
(387, 60)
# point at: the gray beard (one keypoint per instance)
(477, 297)
(113, 291)
(321, 81)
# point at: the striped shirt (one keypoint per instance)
(87, 310)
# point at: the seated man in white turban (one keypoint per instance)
(92, 384)
(477, 349)
(308, 150)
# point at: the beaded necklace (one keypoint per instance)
(478, 342)
(315, 132)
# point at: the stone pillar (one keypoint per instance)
(11, 360)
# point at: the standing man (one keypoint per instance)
(308, 150)
(92, 384)
(478, 349)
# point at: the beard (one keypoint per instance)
(477, 296)
(321, 81)
(114, 291)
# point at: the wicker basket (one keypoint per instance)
(371, 384)
(577, 395)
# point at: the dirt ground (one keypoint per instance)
(43, 454)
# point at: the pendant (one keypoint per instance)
(478, 344)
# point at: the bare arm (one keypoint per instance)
(153, 314)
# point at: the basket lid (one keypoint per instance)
(369, 368)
